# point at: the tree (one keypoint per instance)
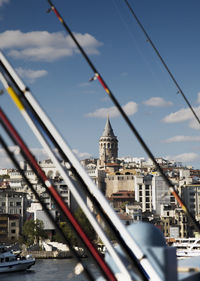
(84, 222)
(4, 177)
(33, 231)
(69, 232)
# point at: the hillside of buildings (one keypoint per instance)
(132, 186)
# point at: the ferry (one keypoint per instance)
(10, 262)
(187, 247)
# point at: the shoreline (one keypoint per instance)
(51, 254)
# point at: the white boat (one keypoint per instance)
(10, 262)
(187, 247)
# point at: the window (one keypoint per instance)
(13, 223)
(11, 204)
(18, 203)
(13, 231)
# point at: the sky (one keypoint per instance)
(40, 50)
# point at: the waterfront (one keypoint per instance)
(48, 270)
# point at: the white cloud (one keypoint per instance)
(81, 155)
(182, 139)
(182, 115)
(31, 75)
(5, 161)
(39, 153)
(185, 157)
(130, 108)
(2, 2)
(42, 45)
(157, 102)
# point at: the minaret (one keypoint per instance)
(108, 145)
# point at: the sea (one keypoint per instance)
(50, 270)
(63, 270)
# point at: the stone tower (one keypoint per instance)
(108, 146)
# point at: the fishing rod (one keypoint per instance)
(161, 59)
(122, 231)
(81, 263)
(127, 120)
(66, 178)
(53, 192)
(77, 170)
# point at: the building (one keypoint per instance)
(143, 192)
(108, 146)
(9, 227)
(123, 180)
(152, 192)
(122, 198)
(191, 196)
(125, 219)
(160, 194)
(135, 211)
(97, 175)
(13, 203)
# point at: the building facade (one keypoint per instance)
(108, 146)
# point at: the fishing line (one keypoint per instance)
(52, 191)
(138, 47)
(129, 123)
(47, 211)
(162, 60)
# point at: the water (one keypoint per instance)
(48, 270)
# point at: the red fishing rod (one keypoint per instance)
(99, 207)
(24, 101)
(127, 120)
(47, 211)
(58, 199)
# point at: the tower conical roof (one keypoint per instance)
(108, 131)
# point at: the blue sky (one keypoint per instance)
(38, 47)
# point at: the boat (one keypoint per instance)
(10, 262)
(187, 247)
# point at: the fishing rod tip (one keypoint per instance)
(93, 78)
(49, 10)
